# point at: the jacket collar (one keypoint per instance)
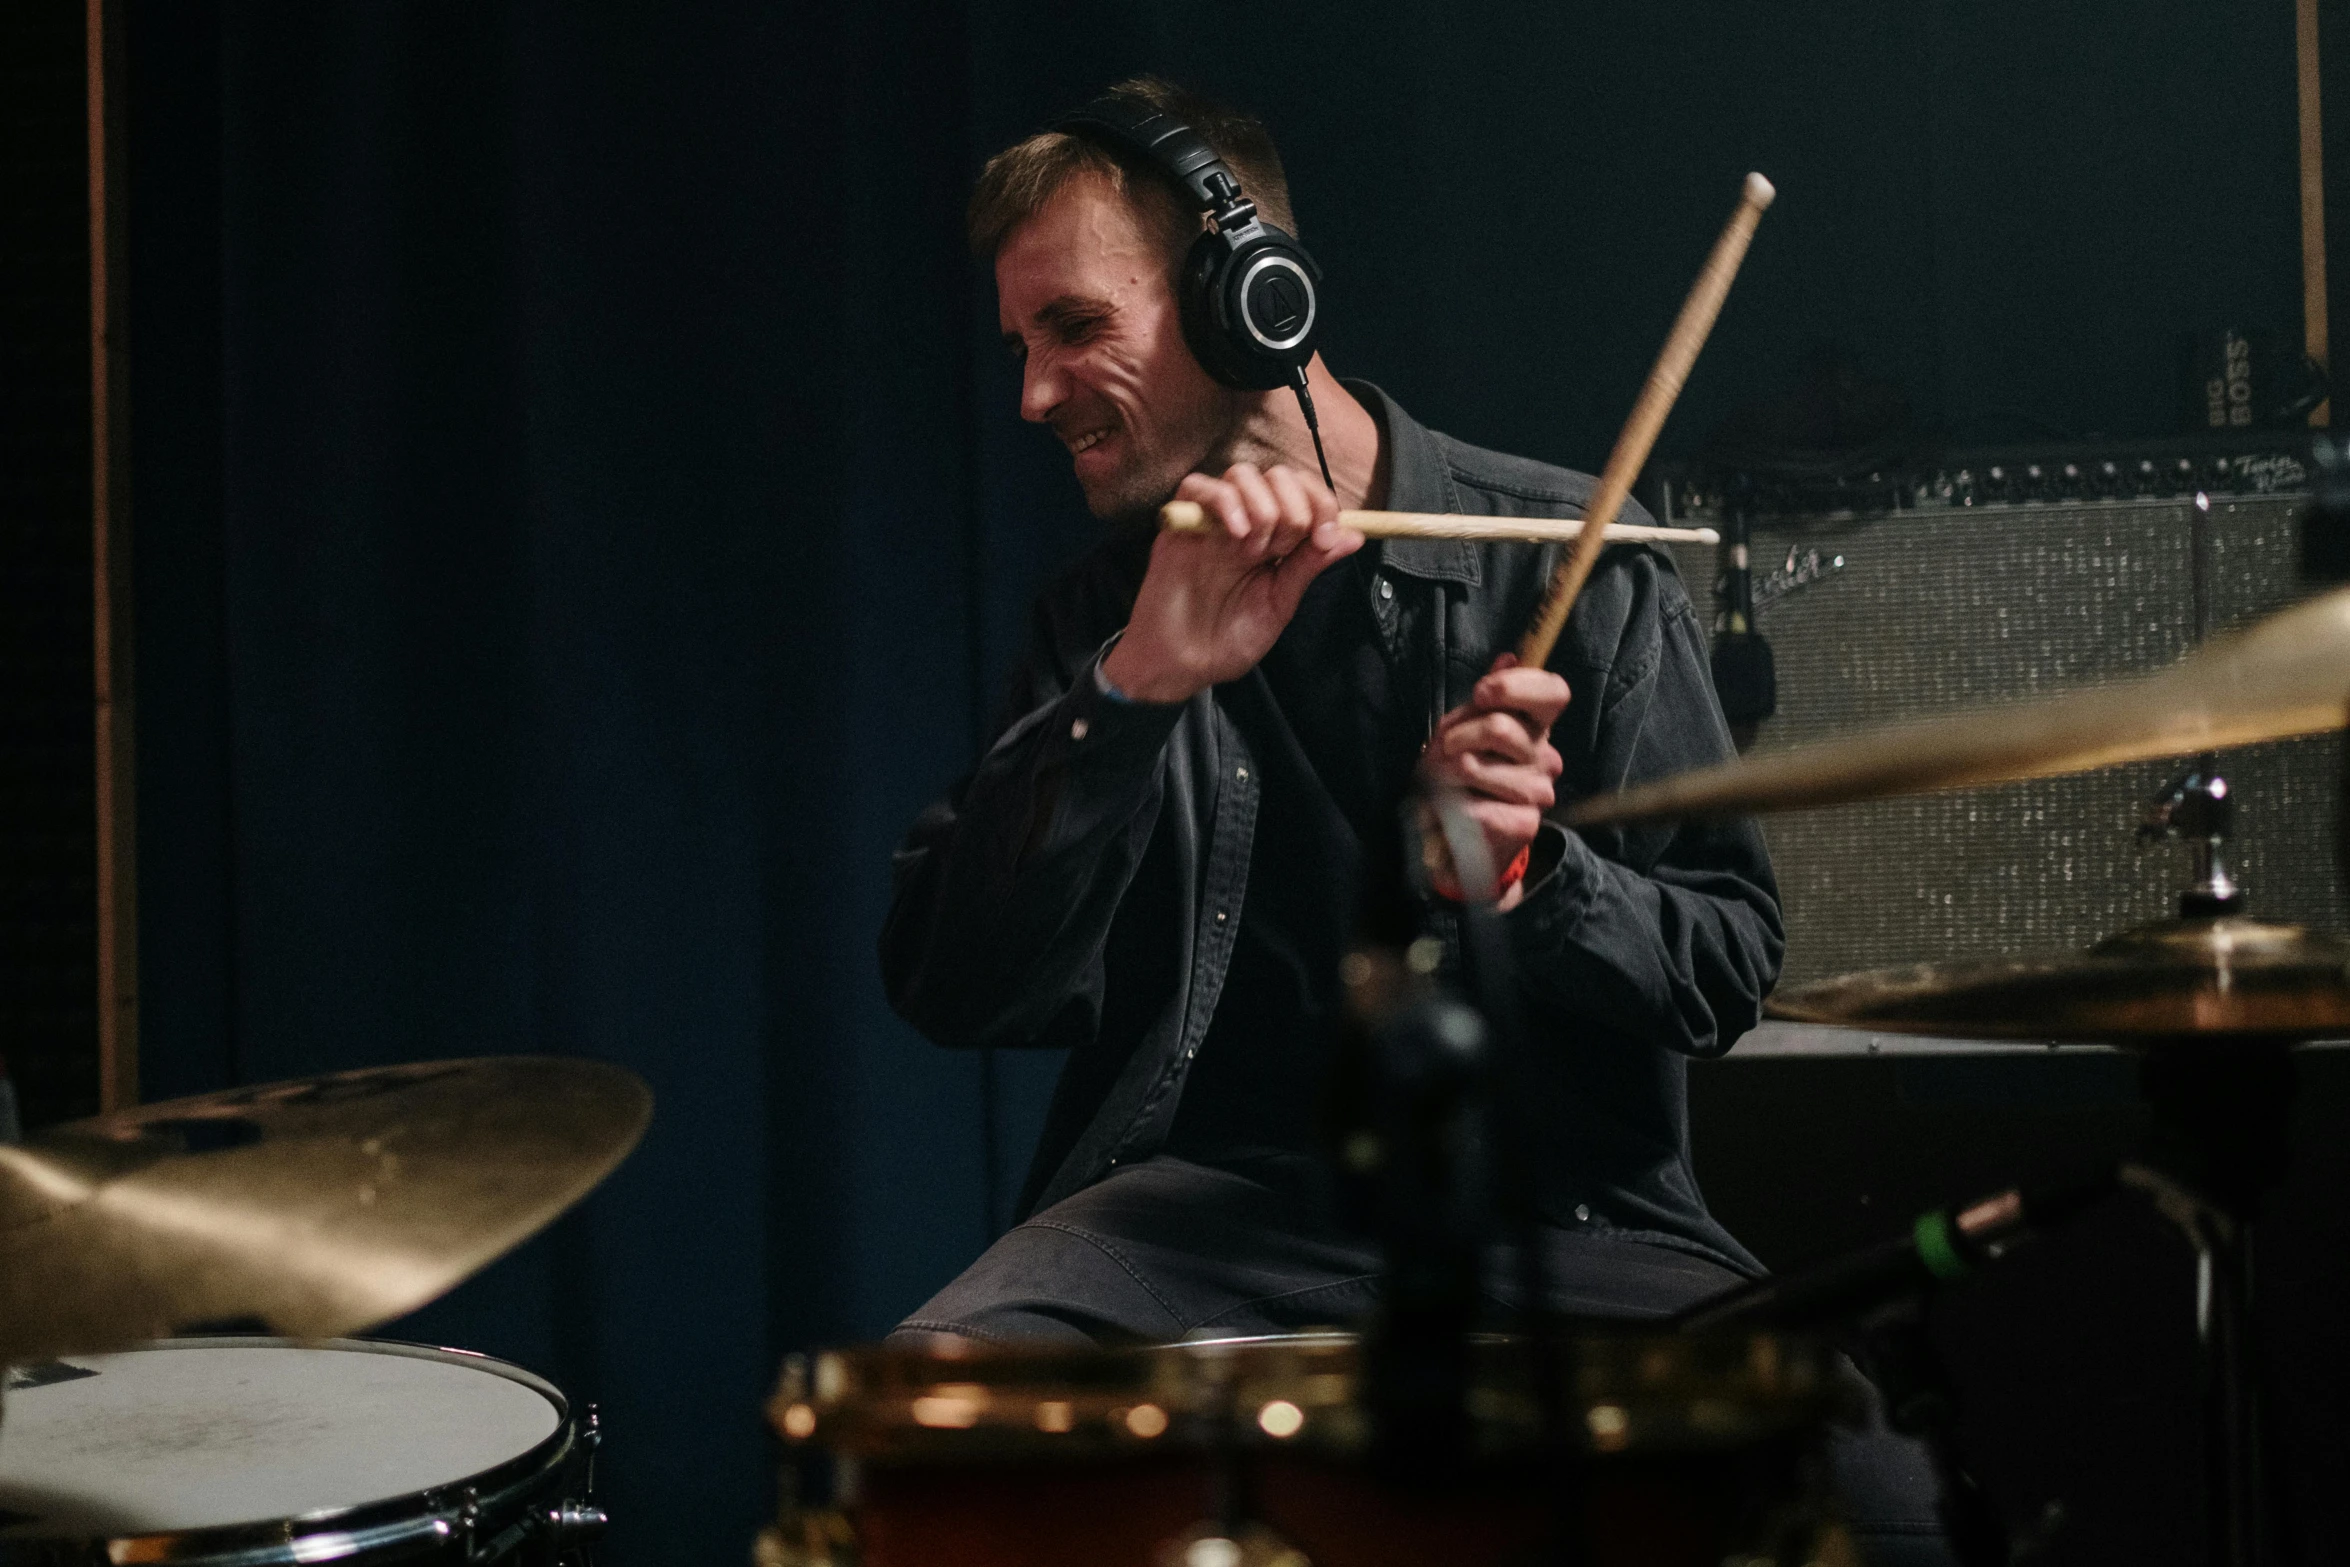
(1418, 479)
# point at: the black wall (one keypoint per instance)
(48, 783)
(581, 516)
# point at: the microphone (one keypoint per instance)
(1746, 678)
(1944, 1246)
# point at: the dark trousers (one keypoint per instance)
(1168, 1248)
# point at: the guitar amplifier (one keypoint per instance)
(1889, 598)
(1951, 595)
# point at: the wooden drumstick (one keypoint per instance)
(1191, 517)
(1648, 417)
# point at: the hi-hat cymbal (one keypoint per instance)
(319, 1206)
(2288, 675)
(2220, 979)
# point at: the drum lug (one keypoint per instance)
(576, 1523)
(572, 1524)
(469, 1523)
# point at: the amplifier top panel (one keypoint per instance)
(2266, 463)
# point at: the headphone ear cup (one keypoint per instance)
(1212, 299)
(1198, 300)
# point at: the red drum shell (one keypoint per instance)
(1694, 1451)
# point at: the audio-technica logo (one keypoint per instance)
(1280, 305)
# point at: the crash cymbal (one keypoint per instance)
(2288, 675)
(319, 1206)
(2214, 978)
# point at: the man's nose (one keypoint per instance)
(1042, 389)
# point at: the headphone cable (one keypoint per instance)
(1305, 403)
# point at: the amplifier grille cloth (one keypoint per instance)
(1941, 613)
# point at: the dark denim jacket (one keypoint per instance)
(1083, 887)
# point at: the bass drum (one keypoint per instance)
(248, 1452)
(1613, 1449)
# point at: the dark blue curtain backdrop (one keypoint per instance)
(582, 515)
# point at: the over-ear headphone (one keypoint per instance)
(1250, 296)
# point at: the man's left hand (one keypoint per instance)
(1495, 749)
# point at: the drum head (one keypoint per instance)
(199, 1433)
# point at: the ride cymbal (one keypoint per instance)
(319, 1206)
(2218, 978)
(2287, 675)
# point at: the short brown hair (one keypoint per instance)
(1020, 180)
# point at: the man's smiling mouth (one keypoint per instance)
(1089, 439)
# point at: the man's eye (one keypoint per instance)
(1081, 330)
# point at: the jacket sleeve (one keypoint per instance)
(1667, 933)
(1002, 894)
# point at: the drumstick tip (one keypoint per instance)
(1760, 191)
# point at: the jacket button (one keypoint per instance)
(1242, 773)
(1582, 1213)
(1219, 916)
(1386, 588)
(1078, 728)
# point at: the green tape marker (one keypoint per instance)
(1938, 1248)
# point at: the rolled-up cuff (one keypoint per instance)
(1562, 883)
(1099, 752)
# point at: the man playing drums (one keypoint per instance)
(1157, 865)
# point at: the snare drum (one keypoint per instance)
(1684, 1451)
(248, 1452)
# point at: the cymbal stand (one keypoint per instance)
(2197, 809)
(2222, 1114)
(2222, 1117)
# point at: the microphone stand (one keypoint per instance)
(1404, 1096)
(1490, 978)
(1880, 1295)
(1432, 1167)
(1897, 1350)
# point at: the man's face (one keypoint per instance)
(1084, 299)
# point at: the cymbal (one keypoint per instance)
(2220, 978)
(2284, 676)
(320, 1206)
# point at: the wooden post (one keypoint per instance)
(117, 884)
(2313, 197)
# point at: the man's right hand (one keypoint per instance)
(1214, 603)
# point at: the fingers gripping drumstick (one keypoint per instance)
(1648, 417)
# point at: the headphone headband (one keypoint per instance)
(1174, 148)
